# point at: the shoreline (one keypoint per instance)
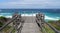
(46, 17)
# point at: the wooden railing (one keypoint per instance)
(17, 24)
(40, 21)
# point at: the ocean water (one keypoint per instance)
(50, 14)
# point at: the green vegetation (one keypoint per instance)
(47, 29)
(55, 24)
(1, 24)
(13, 31)
(6, 29)
(58, 21)
(1, 20)
(2, 17)
(50, 21)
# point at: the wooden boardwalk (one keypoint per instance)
(30, 26)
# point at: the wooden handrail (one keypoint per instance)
(7, 23)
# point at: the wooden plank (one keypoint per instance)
(30, 26)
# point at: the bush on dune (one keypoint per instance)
(1, 24)
(50, 21)
(58, 21)
(1, 20)
(55, 24)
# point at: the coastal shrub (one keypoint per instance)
(6, 29)
(50, 21)
(58, 21)
(1, 24)
(3, 18)
(54, 24)
(13, 31)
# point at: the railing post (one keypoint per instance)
(18, 24)
(40, 20)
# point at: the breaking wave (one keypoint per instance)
(46, 16)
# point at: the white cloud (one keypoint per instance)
(30, 4)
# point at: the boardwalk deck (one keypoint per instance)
(30, 26)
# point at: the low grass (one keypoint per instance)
(1, 24)
(6, 29)
(13, 31)
(47, 29)
(55, 25)
(1, 19)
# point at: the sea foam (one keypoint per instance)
(46, 17)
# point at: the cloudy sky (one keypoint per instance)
(30, 4)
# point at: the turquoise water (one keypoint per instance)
(50, 14)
